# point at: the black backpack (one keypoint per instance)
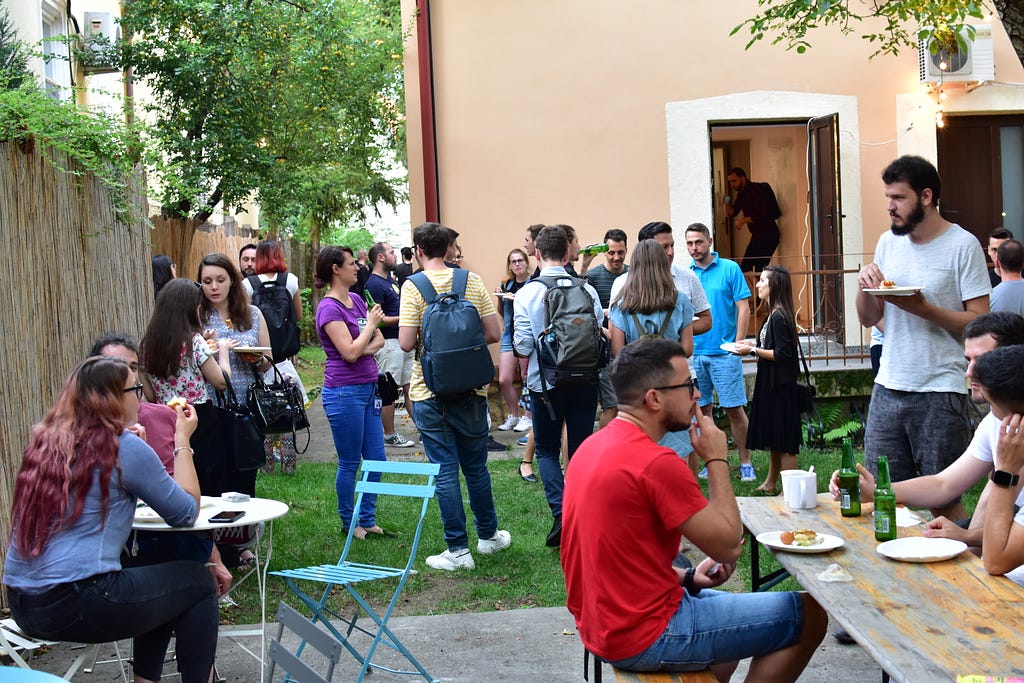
(275, 303)
(453, 349)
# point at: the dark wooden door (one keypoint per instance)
(968, 150)
(827, 224)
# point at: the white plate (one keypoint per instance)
(144, 513)
(728, 346)
(921, 549)
(894, 291)
(828, 542)
(252, 349)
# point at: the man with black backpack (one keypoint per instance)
(448, 316)
(558, 326)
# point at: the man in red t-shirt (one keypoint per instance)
(628, 500)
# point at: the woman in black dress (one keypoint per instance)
(775, 406)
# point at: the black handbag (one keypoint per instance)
(805, 390)
(387, 389)
(241, 431)
(278, 408)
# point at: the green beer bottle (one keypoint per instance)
(885, 503)
(849, 483)
(595, 249)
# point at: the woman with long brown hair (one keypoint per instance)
(74, 502)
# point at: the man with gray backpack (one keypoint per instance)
(559, 327)
(447, 316)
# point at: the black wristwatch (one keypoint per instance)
(1003, 478)
(753, 352)
(688, 584)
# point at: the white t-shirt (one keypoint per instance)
(291, 282)
(983, 445)
(921, 356)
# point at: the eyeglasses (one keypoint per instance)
(516, 261)
(137, 389)
(691, 385)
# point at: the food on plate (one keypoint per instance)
(888, 284)
(177, 401)
(801, 537)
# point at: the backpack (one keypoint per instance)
(660, 334)
(453, 350)
(572, 348)
(275, 303)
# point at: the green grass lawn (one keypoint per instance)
(527, 574)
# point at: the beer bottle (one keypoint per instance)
(849, 483)
(595, 249)
(885, 503)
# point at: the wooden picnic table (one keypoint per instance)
(919, 621)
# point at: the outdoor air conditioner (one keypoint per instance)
(975, 63)
(101, 36)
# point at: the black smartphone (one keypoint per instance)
(227, 516)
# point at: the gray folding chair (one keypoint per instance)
(294, 667)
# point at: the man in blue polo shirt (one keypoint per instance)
(718, 370)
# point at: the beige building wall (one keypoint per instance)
(563, 112)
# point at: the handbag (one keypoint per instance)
(278, 407)
(242, 433)
(805, 390)
(387, 389)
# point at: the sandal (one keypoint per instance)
(246, 560)
(531, 477)
(375, 531)
(759, 491)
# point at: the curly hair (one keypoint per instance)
(77, 438)
(238, 299)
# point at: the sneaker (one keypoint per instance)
(523, 439)
(449, 561)
(747, 472)
(499, 541)
(398, 441)
(524, 424)
(703, 474)
(494, 445)
(510, 422)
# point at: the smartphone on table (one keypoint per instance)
(227, 516)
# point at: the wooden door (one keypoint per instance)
(827, 224)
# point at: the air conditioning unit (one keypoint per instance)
(975, 63)
(99, 43)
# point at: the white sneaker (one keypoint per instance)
(525, 424)
(450, 561)
(398, 441)
(499, 541)
(510, 422)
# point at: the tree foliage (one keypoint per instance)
(889, 25)
(13, 55)
(265, 97)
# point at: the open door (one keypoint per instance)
(826, 225)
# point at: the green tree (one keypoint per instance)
(257, 98)
(890, 24)
(13, 57)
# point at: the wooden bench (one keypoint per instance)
(666, 677)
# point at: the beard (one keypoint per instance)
(911, 221)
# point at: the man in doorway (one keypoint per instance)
(247, 260)
(390, 358)
(1008, 295)
(624, 492)
(918, 415)
(760, 209)
(718, 370)
(998, 236)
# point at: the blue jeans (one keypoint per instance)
(454, 434)
(358, 433)
(144, 603)
(718, 627)
(575, 407)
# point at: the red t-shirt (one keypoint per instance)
(625, 497)
(160, 422)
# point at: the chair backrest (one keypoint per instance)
(422, 477)
(323, 642)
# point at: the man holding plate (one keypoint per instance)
(918, 415)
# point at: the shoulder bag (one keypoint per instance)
(278, 407)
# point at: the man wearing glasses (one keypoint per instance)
(626, 504)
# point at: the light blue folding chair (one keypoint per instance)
(350, 574)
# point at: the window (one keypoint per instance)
(57, 64)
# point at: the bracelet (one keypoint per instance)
(688, 584)
(708, 462)
(183, 448)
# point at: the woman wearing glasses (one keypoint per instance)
(74, 503)
(775, 405)
(517, 270)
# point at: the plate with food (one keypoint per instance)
(921, 549)
(147, 514)
(252, 349)
(890, 288)
(800, 541)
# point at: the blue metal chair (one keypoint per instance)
(350, 574)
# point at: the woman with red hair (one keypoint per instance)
(74, 502)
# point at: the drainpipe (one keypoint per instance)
(428, 128)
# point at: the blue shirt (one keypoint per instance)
(530, 317)
(92, 545)
(725, 286)
(681, 316)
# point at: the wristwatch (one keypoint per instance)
(688, 584)
(753, 352)
(1003, 478)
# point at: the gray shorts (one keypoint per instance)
(605, 392)
(920, 433)
(391, 358)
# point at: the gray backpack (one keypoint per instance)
(572, 348)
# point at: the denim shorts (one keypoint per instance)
(506, 340)
(721, 374)
(718, 627)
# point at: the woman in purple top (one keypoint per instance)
(349, 335)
